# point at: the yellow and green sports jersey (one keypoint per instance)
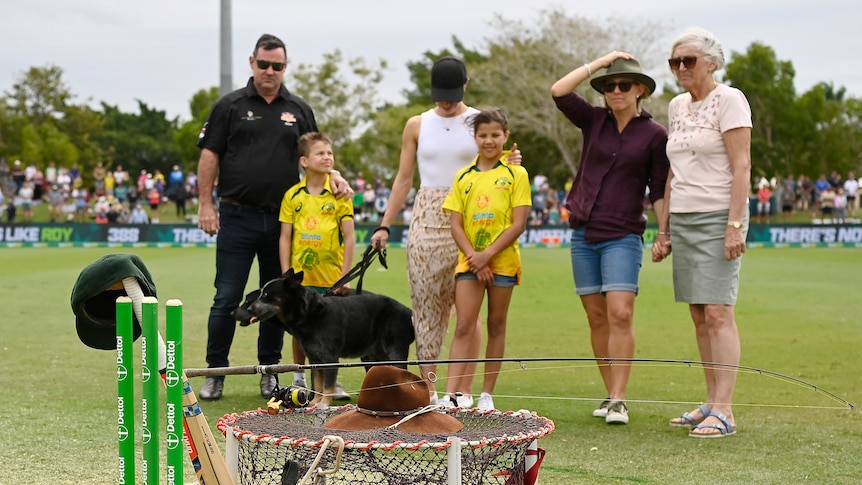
(485, 200)
(318, 241)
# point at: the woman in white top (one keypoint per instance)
(706, 216)
(438, 142)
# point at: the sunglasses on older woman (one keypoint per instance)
(688, 61)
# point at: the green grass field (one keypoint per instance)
(799, 315)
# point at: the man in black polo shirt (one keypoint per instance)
(250, 142)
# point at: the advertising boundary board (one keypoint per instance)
(188, 235)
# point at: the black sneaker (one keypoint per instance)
(212, 389)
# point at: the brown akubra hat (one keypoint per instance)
(388, 395)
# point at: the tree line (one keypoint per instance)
(815, 132)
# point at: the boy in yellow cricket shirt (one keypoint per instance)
(317, 232)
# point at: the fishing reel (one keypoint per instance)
(289, 396)
(293, 396)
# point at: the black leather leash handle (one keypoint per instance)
(358, 271)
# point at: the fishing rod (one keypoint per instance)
(284, 368)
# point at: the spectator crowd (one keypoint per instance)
(831, 199)
(113, 196)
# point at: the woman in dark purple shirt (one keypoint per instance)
(623, 155)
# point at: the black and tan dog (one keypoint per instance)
(374, 328)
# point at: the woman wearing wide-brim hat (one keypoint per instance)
(623, 154)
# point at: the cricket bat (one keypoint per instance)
(213, 469)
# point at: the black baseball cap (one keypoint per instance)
(448, 77)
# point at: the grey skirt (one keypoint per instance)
(701, 275)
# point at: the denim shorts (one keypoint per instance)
(608, 265)
(499, 280)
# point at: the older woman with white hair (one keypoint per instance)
(705, 217)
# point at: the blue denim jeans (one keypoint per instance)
(243, 235)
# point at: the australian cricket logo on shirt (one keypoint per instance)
(328, 209)
(503, 183)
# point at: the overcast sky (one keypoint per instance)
(162, 52)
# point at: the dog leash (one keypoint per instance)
(358, 271)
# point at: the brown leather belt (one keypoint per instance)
(256, 208)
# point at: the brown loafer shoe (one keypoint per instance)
(212, 389)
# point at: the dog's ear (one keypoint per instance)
(288, 273)
(296, 278)
(252, 297)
